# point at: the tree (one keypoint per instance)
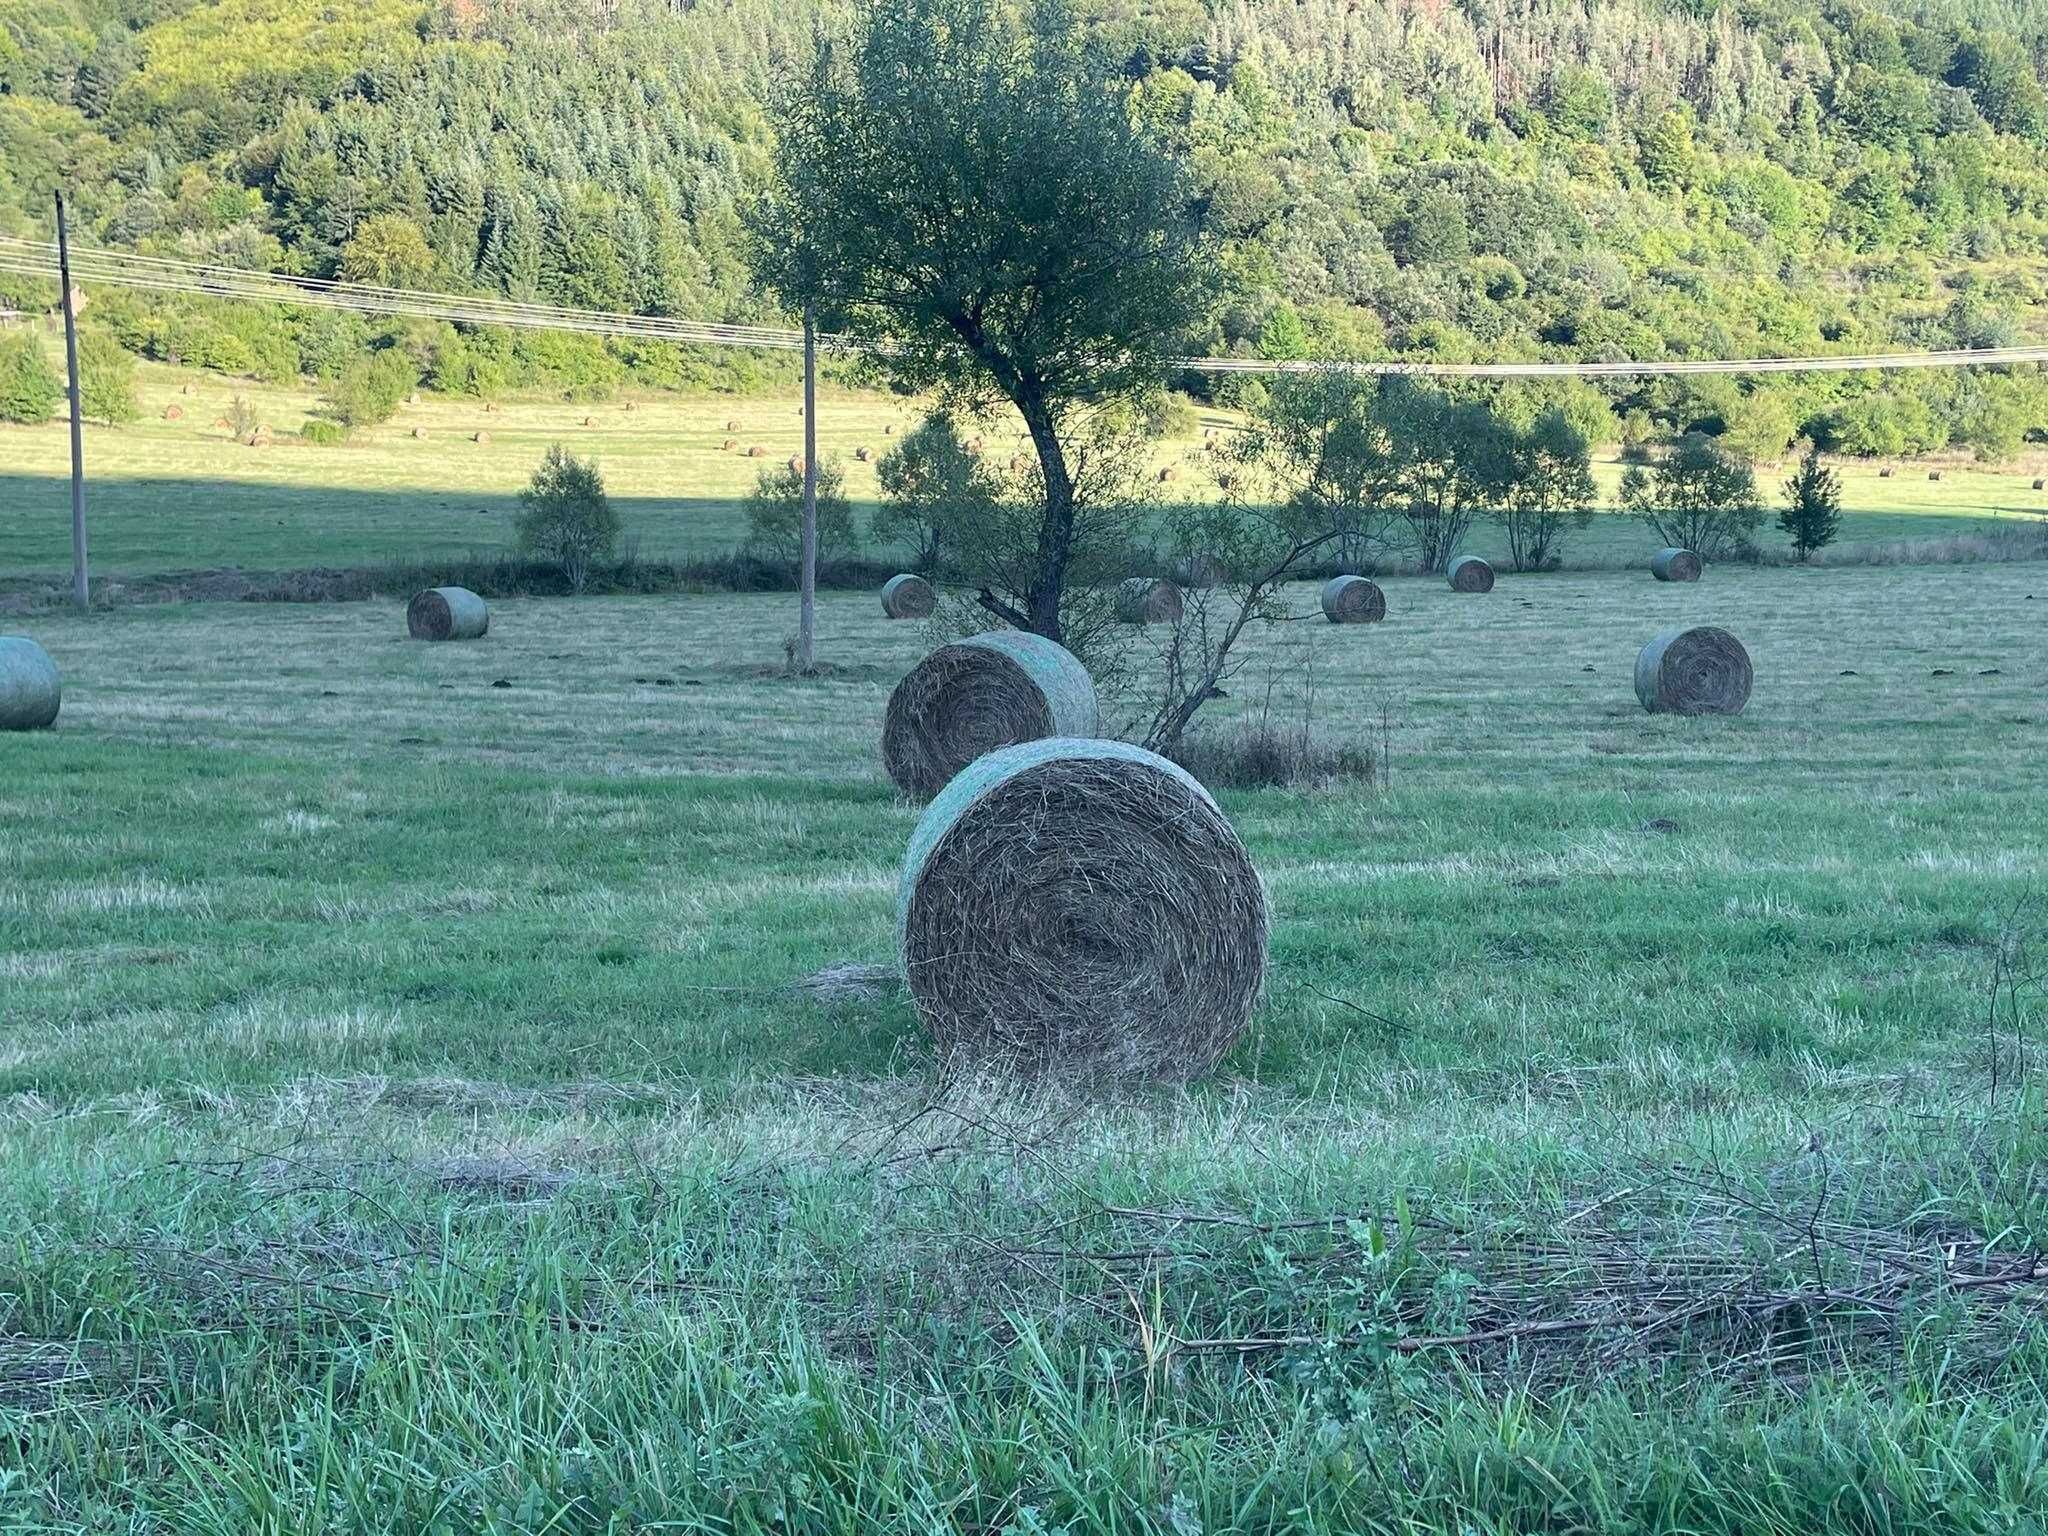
(1696, 494)
(1449, 460)
(106, 379)
(369, 389)
(1317, 448)
(1547, 488)
(387, 251)
(565, 517)
(1813, 505)
(775, 513)
(29, 387)
(971, 193)
(932, 488)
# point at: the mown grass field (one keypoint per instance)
(411, 1119)
(182, 495)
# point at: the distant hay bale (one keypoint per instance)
(727, 446)
(1201, 571)
(863, 453)
(1934, 474)
(1353, 600)
(757, 452)
(590, 421)
(1469, 573)
(889, 429)
(481, 439)
(174, 413)
(1081, 907)
(1675, 565)
(732, 426)
(1168, 474)
(1147, 600)
(222, 421)
(30, 691)
(796, 464)
(1702, 671)
(447, 613)
(420, 433)
(2041, 485)
(908, 597)
(413, 398)
(1017, 463)
(184, 389)
(975, 695)
(1886, 473)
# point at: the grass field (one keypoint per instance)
(182, 495)
(412, 1119)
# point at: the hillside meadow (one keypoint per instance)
(466, 1088)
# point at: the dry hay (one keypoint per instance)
(184, 389)
(590, 421)
(1147, 600)
(1201, 571)
(1702, 671)
(908, 597)
(796, 464)
(1081, 907)
(447, 613)
(727, 446)
(1168, 474)
(1469, 573)
(2041, 485)
(757, 452)
(1675, 565)
(1886, 473)
(420, 433)
(30, 690)
(1934, 474)
(976, 695)
(174, 413)
(1353, 600)
(412, 399)
(732, 426)
(481, 439)
(222, 421)
(863, 453)
(889, 430)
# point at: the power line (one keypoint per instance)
(206, 280)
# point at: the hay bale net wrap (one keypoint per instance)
(980, 694)
(1702, 671)
(1084, 907)
(447, 613)
(31, 693)
(1675, 565)
(908, 597)
(1353, 600)
(1469, 573)
(1147, 600)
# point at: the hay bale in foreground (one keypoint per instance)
(1081, 907)
(976, 695)
(908, 597)
(30, 691)
(1469, 573)
(1675, 565)
(1353, 600)
(1146, 600)
(1703, 671)
(447, 613)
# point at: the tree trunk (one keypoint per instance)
(1056, 530)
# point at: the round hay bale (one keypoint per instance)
(30, 690)
(889, 430)
(481, 439)
(1353, 600)
(447, 613)
(184, 389)
(590, 421)
(1886, 473)
(2041, 485)
(863, 453)
(1703, 671)
(1934, 474)
(413, 398)
(490, 406)
(222, 421)
(1469, 573)
(969, 698)
(796, 464)
(1675, 565)
(420, 433)
(1168, 474)
(1201, 571)
(727, 446)
(732, 426)
(908, 597)
(757, 452)
(174, 413)
(1081, 907)
(1147, 600)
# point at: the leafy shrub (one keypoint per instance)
(932, 487)
(106, 379)
(1697, 495)
(29, 387)
(324, 434)
(775, 514)
(565, 517)
(369, 389)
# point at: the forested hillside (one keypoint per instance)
(1435, 178)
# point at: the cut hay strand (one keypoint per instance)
(908, 597)
(1147, 600)
(30, 691)
(1703, 671)
(1353, 600)
(976, 695)
(1675, 565)
(1469, 573)
(1081, 907)
(447, 613)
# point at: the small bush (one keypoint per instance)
(324, 434)
(106, 379)
(370, 389)
(775, 514)
(1261, 755)
(29, 387)
(565, 517)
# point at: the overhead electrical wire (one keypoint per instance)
(211, 280)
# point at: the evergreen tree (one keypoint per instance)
(1813, 505)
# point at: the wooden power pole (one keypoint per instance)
(81, 577)
(807, 575)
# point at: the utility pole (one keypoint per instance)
(81, 578)
(807, 575)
